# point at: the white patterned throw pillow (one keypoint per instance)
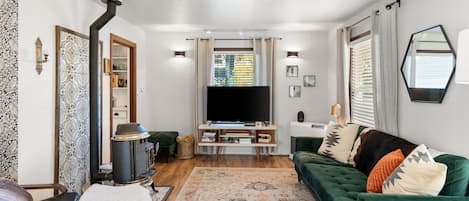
(356, 145)
(338, 142)
(419, 174)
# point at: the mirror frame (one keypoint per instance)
(423, 94)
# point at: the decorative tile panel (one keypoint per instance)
(73, 110)
(9, 89)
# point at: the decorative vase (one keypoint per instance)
(301, 116)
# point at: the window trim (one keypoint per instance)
(236, 49)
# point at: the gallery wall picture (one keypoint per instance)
(292, 71)
(294, 91)
(309, 81)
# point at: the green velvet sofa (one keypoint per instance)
(330, 180)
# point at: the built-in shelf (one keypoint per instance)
(119, 71)
(121, 88)
(120, 108)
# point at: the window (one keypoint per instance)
(234, 69)
(361, 84)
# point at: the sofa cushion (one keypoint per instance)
(357, 144)
(419, 174)
(338, 142)
(374, 145)
(382, 170)
(302, 157)
(457, 176)
(331, 182)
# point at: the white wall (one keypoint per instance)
(313, 50)
(441, 126)
(170, 81)
(37, 92)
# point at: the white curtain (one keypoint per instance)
(385, 69)
(265, 66)
(203, 69)
(342, 75)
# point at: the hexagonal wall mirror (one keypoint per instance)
(428, 65)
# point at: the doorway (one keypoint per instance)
(121, 97)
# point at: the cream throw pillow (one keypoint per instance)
(358, 142)
(338, 141)
(419, 174)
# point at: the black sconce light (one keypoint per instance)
(179, 54)
(292, 54)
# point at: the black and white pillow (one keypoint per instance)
(338, 142)
(418, 174)
(356, 145)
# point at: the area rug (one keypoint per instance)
(243, 184)
(163, 193)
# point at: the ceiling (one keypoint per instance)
(192, 15)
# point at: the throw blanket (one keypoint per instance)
(100, 192)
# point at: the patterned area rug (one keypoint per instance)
(243, 184)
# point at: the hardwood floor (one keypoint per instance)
(177, 171)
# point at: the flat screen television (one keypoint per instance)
(244, 104)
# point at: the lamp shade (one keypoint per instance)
(462, 60)
(335, 110)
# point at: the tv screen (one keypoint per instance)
(245, 104)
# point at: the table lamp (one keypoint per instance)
(462, 61)
(335, 111)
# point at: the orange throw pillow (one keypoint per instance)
(382, 170)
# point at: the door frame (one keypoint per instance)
(133, 79)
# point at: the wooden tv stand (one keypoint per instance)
(225, 133)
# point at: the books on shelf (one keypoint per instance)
(245, 141)
(209, 137)
(237, 134)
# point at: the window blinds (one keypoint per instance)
(361, 84)
(234, 69)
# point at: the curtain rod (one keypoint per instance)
(277, 38)
(388, 7)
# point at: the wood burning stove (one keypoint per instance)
(132, 154)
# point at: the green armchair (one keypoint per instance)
(167, 141)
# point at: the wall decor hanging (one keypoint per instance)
(309, 81)
(292, 71)
(294, 91)
(72, 129)
(9, 90)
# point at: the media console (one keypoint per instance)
(220, 136)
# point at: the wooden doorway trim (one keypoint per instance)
(133, 77)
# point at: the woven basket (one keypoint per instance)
(185, 149)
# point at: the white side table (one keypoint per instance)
(305, 129)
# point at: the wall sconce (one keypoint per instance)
(292, 54)
(107, 66)
(179, 53)
(39, 54)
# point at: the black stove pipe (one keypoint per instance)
(95, 89)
